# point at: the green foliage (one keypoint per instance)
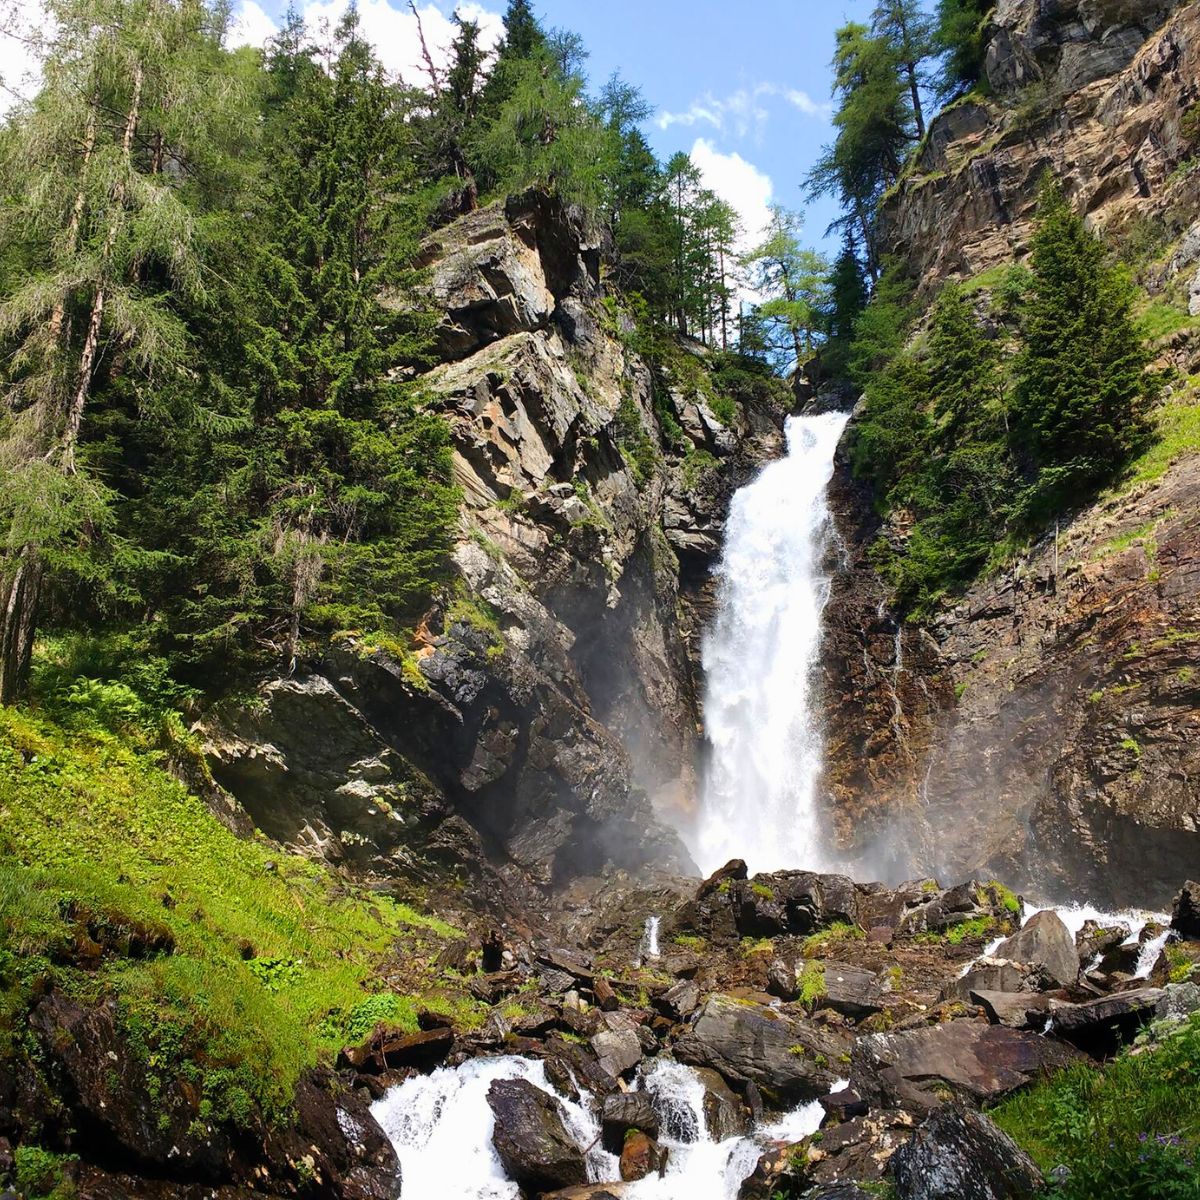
(818, 944)
(1082, 389)
(811, 983)
(969, 463)
(88, 822)
(1129, 1130)
(959, 39)
(636, 443)
(38, 1174)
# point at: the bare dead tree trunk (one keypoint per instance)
(19, 594)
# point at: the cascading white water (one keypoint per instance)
(758, 801)
(441, 1126)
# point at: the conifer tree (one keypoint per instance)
(959, 38)
(795, 283)
(875, 124)
(1083, 386)
(910, 32)
(123, 124)
(848, 297)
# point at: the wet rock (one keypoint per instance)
(642, 1156)
(386, 1052)
(1044, 945)
(1185, 912)
(592, 1191)
(623, 1112)
(744, 1041)
(105, 1084)
(859, 1150)
(1100, 1027)
(959, 1154)
(920, 1068)
(531, 1139)
(793, 902)
(844, 1105)
(724, 1114)
(1095, 940)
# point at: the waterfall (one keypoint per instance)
(759, 795)
(441, 1127)
(650, 937)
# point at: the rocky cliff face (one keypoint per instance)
(548, 708)
(1044, 727)
(1098, 91)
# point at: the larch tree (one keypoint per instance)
(96, 172)
(910, 32)
(795, 282)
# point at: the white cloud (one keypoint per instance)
(743, 111)
(394, 32)
(741, 184)
(250, 26)
(22, 26)
(807, 105)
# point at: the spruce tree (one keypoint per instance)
(1083, 387)
(848, 297)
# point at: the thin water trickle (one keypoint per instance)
(759, 795)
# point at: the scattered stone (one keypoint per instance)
(850, 990)
(1016, 1010)
(988, 975)
(1096, 939)
(844, 1105)
(679, 1001)
(781, 979)
(1045, 945)
(618, 1050)
(606, 998)
(531, 1138)
(959, 1154)
(1185, 914)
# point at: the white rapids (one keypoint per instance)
(759, 796)
(441, 1127)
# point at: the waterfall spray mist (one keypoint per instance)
(759, 796)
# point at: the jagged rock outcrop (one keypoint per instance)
(547, 710)
(1043, 728)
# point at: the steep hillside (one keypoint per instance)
(1044, 723)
